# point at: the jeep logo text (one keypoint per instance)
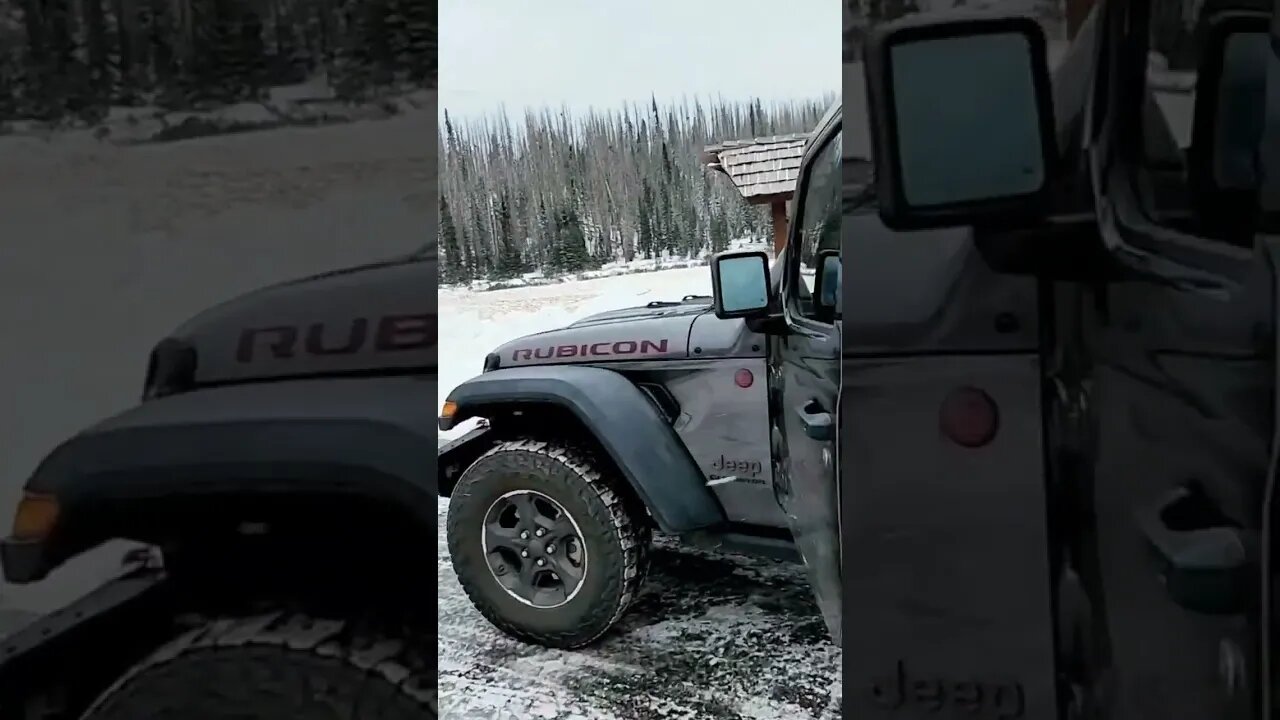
(600, 349)
(976, 698)
(738, 467)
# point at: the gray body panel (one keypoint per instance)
(711, 337)
(726, 430)
(933, 528)
(945, 541)
(726, 427)
(930, 291)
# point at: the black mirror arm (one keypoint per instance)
(772, 323)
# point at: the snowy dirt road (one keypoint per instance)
(711, 638)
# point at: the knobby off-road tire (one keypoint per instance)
(278, 666)
(613, 532)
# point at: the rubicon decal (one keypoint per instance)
(592, 350)
(391, 333)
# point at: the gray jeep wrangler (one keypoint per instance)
(708, 418)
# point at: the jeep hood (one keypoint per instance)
(690, 306)
(659, 330)
(379, 316)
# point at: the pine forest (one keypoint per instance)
(561, 193)
(76, 59)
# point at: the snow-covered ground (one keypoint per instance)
(712, 638)
(666, 261)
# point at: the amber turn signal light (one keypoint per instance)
(36, 516)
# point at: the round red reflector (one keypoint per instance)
(969, 417)
(744, 378)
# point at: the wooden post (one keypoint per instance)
(779, 213)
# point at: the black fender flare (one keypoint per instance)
(623, 420)
(361, 437)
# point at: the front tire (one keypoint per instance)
(544, 543)
(278, 665)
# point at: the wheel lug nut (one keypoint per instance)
(551, 548)
(541, 562)
(541, 532)
(524, 534)
(524, 553)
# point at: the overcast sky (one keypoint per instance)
(604, 53)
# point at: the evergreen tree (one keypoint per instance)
(510, 263)
(646, 242)
(453, 269)
(482, 241)
(573, 242)
(601, 255)
(549, 232)
(719, 232)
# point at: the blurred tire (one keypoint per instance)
(275, 666)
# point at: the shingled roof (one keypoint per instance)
(763, 169)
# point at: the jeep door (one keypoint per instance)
(805, 375)
(1180, 411)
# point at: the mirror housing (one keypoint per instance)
(826, 285)
(991, 158)
(740, 284)
(1230, 112)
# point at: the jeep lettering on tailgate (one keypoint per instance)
(600, 349)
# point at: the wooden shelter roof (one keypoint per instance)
(763, 169)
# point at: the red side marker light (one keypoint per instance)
(969, 417)
(744, 378)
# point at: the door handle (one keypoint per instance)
(1205, 558)
(817, 422)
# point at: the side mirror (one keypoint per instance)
(1230, 116)
(826, 285)
(740, 283)
(961, 120)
